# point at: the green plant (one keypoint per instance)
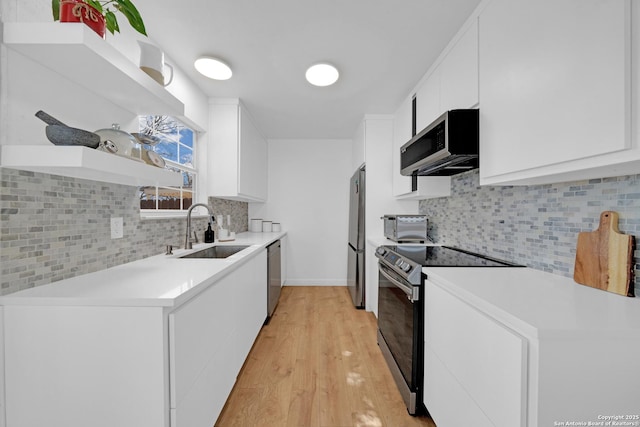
(107, 9)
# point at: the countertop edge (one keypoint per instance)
(509, 316)
(22, 298)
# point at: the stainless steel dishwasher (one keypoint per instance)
(274, 277)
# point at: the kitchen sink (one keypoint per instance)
(216, 252)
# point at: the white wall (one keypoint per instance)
(377, 131)
(309, 195)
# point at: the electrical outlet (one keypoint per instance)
(117, 227)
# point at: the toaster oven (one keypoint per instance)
(405, 228)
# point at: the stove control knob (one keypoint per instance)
(399, 263)
(381, 251)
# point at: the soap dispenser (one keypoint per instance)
(209, 236)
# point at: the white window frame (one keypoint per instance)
(193, 170)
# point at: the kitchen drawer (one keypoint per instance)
(488, 360)
(447, 401)
(209, 340)
(204, 401)
(197, 331)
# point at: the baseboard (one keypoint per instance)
(314, 282)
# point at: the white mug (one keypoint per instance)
(152, 63)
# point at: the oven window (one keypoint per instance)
(396, 324)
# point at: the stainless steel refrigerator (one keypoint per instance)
(355, 263)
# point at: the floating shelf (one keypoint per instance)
(76, 52)
(86, 163)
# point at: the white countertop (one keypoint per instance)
(536, 303)
(161, 280)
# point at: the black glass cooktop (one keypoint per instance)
(445, 256)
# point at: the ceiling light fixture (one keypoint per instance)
(213, 68)
(322, 74)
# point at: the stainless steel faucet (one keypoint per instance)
(187, 239)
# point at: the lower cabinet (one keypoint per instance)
(475, 368)
(79, 366)
(209, 340)
(105, 366)
(493, 361)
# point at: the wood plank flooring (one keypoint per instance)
(317, 364)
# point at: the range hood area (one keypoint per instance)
(446, 147)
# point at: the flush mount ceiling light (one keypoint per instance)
(322, 74)
(213, 68)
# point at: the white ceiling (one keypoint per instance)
(381, 47)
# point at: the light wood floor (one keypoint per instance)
(317, 364)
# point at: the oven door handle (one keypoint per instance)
(413, 293)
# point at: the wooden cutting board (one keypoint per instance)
(604, 257)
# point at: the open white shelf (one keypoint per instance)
(76, 52)
(86, 163)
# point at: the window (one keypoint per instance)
(177, 145)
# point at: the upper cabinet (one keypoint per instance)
(555, 91)
(237, 153)
(428, 101)
(451, 83)
(459, 71)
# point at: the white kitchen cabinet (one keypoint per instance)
(459, 71)
(377, 131)
(448, 402)
(250, 301)
(521, 347)
(479, 360)
(237, 153)
(555, 91)
(428, 100)
(73, 363)
(452, 82)
(371, 278)
(76, 366)
(209, 339)
(428, 186)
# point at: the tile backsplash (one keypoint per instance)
(53, 227)
(537, 225)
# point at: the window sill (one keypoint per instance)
(151, 215)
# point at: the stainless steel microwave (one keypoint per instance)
(447, 146)
(405, 228)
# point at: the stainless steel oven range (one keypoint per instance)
(401, 309)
